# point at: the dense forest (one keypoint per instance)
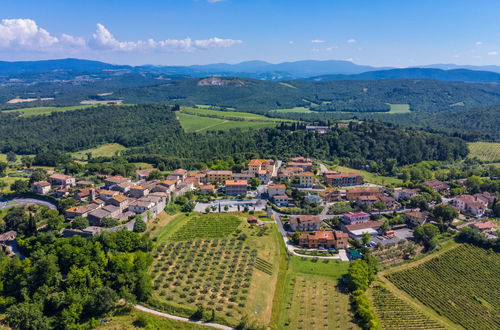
(64, 283)
(259, 96)
(474, 124)
(152, 133)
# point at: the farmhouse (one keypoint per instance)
(63, 180)
(41, 187)
(342, 179)
(305, 223)
(236, 187)
(324, 239)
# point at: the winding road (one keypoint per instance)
(182, 319)
(9, 202)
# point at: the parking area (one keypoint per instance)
(399, 234)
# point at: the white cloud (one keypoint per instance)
(351, 41)
(493, 53)
(317, 41)
(315, 50)
(25, 34)
(479, 43)
(329, 49)
(291, 42)
(350, 59)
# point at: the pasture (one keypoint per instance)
(37, 111)
(294, 110)
(457, 284)
(219, 262)
(394, 312)
(105, 150)
(485, 151)
(228, 114)
(192, 123)
(399, 108)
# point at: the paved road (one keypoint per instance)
(4, 203)
(276, 216)
(182, 319)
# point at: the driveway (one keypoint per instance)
(5, 203)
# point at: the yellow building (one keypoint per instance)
(218, 176)
(256, 165)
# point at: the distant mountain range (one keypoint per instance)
(299, 70)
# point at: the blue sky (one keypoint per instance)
(179, 32)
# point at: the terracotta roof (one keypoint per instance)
(281, 197)
(355, 214)
(306, 174)
(364, 225)
(42, 183)
(276, 186)
(138, 187)
(117, 179)
(106, 192)
(58, 176)
(236, 182)
(220, 172)
(341, 175)
(119, 198)
(484, 225)
(179, 171)
(305, 218)
(145, 172)
(207, 187)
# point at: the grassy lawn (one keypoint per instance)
(311, 298)
(106, 150)
(141, 320)
(485, 151)
(294, 110)
(399, 108)
(218, 261)
(193, 123)
(9, 181)
(454, 284)
(28, 112)
(229, 114)
(370, 177)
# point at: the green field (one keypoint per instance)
(106, 150)
(399, 108)
(485, 151)
(287, 85)
(370, 177)
(458, 284)
(229, 115)
(294, 110)
(192, 123)
(141, 320)
(8, 181)
(395, 313)
(311, 298)
(28, 112)
(218, 261)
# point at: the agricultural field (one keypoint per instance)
(37, 111)
(219, 262)
(399, 108)
(485, 151)
(228, 114)
(106, 150)
(294, 110)
(458, 284)
(395, 313)
(369, 177)
(311, 298)
(5, 183)
(192, 123)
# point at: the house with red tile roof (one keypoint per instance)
(236, 187)
(324, 239)
(114, 180)
(41, 187)
(276, 189)
(305, 223)
(470, 204)
(342, 179)
(63, 180)
(351, 218)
